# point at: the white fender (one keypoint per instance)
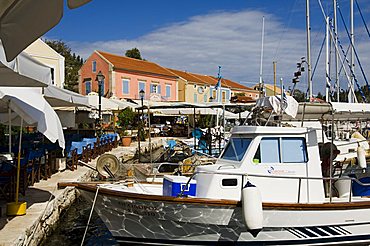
(361, 157)
(252, 208)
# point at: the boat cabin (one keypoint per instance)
(277, 160)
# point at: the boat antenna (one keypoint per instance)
(261, 64)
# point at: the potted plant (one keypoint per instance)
(125, 121)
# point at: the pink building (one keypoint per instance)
(125, 77)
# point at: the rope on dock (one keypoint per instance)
(92, 209)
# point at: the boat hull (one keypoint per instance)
(155, 222)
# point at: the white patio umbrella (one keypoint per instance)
(106, 104)
(32, 108)
(24, 21)
(59, 97)
(23, 71)
(124, 104)
(29, 106)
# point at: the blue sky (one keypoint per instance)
(199, 35)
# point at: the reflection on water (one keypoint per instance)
(72, 227)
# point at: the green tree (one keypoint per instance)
(320, 96)
(73, 63)
(299, 96)
(134, 53)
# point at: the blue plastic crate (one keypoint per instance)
(173, 185)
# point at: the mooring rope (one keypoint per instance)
(92, 209)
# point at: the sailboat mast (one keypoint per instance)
(337, 83)
(308, 29)
(261, 64)
(327, 62)
(351, 95)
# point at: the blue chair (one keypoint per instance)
(7, 178)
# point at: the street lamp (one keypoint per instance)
(141, 94)
(100, 78)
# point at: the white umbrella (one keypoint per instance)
(24, 21)
(124, 104)
(23, 71)
(30, 106)
(58, 97)
(106, 104)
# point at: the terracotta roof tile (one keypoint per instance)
(135, 65)
(207, 79)
(187, 76)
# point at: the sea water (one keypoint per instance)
(72, 225)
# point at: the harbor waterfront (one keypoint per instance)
(174, 129)
(46, 203)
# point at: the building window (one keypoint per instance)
(205, 98)
(141, 86)
(87, 87)
(155, 88)
(195, 97)
(168, 90)
(125, 86)
(224, 96)
(52, 76)
(214, 95)
(94, 66)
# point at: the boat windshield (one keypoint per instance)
(236, 148)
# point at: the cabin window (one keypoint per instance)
(236, 148)
(281, 150)
(269, 150)
(294, 150)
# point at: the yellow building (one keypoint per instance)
(191, 88)
(270, 90)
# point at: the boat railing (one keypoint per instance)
(299, 178)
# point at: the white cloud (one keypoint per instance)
(229, 39)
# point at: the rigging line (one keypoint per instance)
(91, 212)
(362, 17)
(318, 58)
(354, 49)
(345, 55)
(332, 29)
(349, 65)
(285, 30)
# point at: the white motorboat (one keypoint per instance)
(266, 188)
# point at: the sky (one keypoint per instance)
(200, 35)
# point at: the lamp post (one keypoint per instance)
(100, 78)
(141, 94)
